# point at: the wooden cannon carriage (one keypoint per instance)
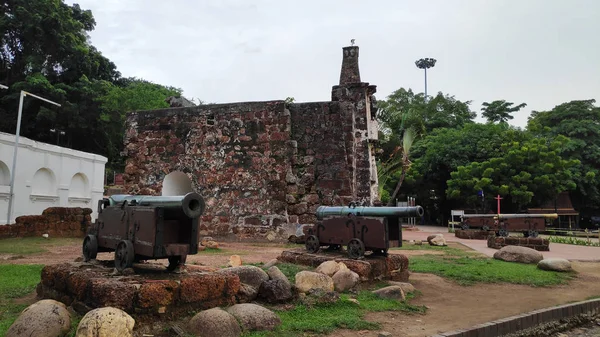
(529, 224)
(359, 228)
(140, 227)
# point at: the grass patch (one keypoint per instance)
(470, 270)
(325, 318)
(33, 245)
(15, 281)
(290, 270)
(276, 245)
(448, 251)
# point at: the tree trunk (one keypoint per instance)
(393, 196)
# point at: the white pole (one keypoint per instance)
(14, 163)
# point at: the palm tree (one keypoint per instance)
(408, 137)
(500, 111)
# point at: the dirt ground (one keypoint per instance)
(450, 306)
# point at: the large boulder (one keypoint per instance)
(250, 275)
(254, 317)
(406, 287)
(518, 254)
(247, 293)
(328, 268)
(214, 322)
(436, 240)
(318, 296)
(307, 280)
(391, 292)
(555, 264)
(45, 318)
(276, 274)
(106, 322)
(345, 279)
(275, 291)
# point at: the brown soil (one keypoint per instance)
(450, 306)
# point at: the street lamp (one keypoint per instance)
(58, 134)
(14, 163)
(425, 64)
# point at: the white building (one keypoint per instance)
(48, 176)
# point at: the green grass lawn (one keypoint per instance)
(15, 281)
(325, 318)
(467, 268)
(33, 245)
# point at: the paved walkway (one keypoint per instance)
(565, 251)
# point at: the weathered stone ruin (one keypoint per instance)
(262, 167)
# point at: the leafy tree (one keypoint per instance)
(404, 107)
(408, 138)
(45, 49)
(443, 151)
(527, 173)
(500, 111)
(580, 121)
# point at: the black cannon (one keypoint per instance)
(140, 227)
(359, 228)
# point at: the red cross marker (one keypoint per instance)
(498, 198)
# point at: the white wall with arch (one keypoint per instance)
(48, 176)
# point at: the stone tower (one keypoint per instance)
(356, 97)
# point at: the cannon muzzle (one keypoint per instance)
(400, 212)
(192, 204)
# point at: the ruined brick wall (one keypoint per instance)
(262, 167)
(322, 163)
(236, 155)
(54, 221)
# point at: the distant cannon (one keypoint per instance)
(529, 224)
(360, 228)
(142, 227)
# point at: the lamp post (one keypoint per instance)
(14, 163)
(425, 64)
(58, 134)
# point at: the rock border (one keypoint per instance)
(534, 323)
(539, 244)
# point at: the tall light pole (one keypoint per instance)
(425, 64)
(14, 163)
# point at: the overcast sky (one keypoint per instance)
(541, 52)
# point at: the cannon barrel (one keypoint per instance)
(192, 203)
(466, 216)
(412, 211)
(516, 216)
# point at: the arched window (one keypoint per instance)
(4, 174)
(176, 183)
(79, 186)
(44, 182)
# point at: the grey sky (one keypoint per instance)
(541, 52)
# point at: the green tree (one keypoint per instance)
(580, 122)
(45, 50)
(404, 107)
(443, 151)
(526, 173)
(500, 111)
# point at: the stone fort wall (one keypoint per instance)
(262, 167)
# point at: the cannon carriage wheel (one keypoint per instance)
(124, 255)
(174, 262)
(90, 247)
(312, 244)
(356, 249)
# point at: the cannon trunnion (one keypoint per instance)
(359, 228)
(140, 228)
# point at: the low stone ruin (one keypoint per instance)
(54, 221)
(539, 244)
